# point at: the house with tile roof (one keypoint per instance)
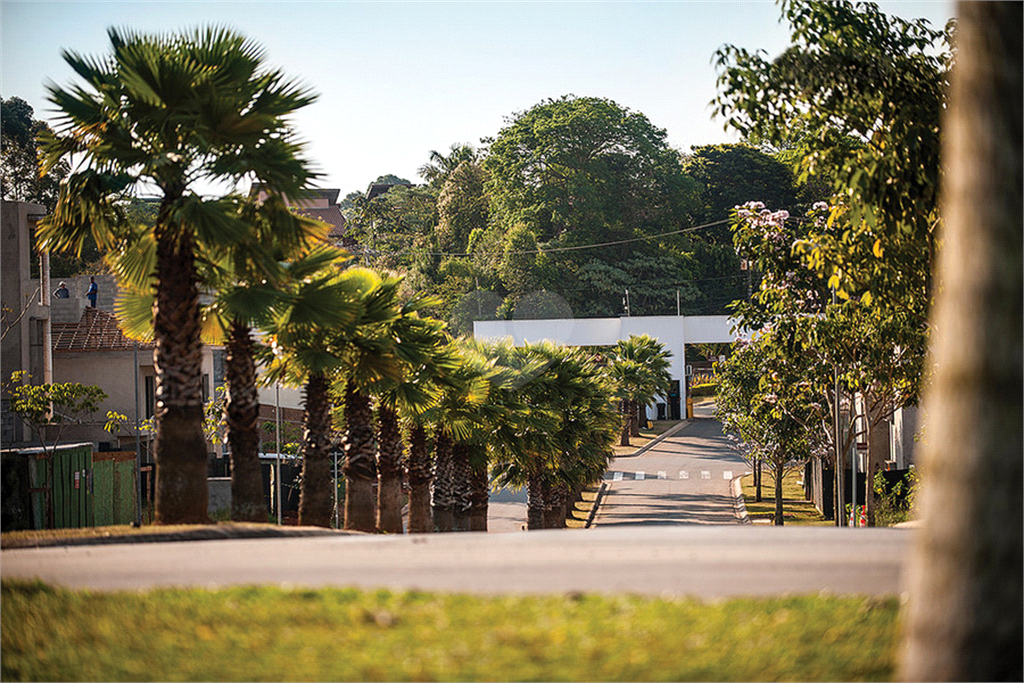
(319, 203)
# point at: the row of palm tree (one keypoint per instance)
(175, 113)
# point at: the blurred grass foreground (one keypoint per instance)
(263, 633)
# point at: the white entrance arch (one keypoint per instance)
(674, 331)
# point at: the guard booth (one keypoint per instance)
(67, 487)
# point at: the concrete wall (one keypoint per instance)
(24, 344)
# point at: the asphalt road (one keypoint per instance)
(698, 560)
(684, 479)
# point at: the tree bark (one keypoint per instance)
(624, 411)
(481, 484)
(242, 414)
(780, 474)
(360, 462)
(534, 502)
(389, 472)
(757, 479)
(180, 449)
(316, 499)
(634, 418)
(462, 486)
(442, 492)
(418, 471)
(878, 451)
(964, 618)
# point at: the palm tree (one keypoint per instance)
(171, 112)
(641, 364)
(247, 281)
(249, 290)
(437, 170)
(465, 390)
(370, 357)
(417, 343)
(433, 376)
(319, 301)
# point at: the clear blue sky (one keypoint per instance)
(399, 79)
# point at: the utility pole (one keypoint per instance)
(277, 432)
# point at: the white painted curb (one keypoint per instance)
(741, 506)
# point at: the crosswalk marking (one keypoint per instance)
(639, 476)
(662, 475)
(705, 474)
(683, 474)
(616, 476)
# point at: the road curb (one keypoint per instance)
(597, 502)
(203, 532)
(658, 439)
(741, 505)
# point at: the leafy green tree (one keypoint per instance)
(852, 72)
(170, 112)
(462, 207)
(734, 174)
(20, 177)
(862, 94)
(46, 406)
(770, 401)
(579, 171)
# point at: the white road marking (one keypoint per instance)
(639, 476)
(727, 474)
(662, 475)
(683, 474)
(705, 474)
(616, 476)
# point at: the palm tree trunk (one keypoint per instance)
(389, 472)
(181, 459)
(418, 472)
(964, 617)
(360, 461)
(316, 500)
(534, 502)
(242, 413)
(624, 411)
(634, 418)
(481, 484)
(462, 486)
(555, 498)
(442, 491)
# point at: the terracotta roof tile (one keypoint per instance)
(96, 331)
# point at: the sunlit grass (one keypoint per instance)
(795, 509)
(274, 634)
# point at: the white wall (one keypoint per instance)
(671, 330)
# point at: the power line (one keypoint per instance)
(556, 249)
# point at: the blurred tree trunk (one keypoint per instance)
(964, 618)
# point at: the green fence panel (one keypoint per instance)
(113, 500)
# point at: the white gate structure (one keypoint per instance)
(674, 331)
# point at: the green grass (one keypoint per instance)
(795, 510)
(274, 634)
